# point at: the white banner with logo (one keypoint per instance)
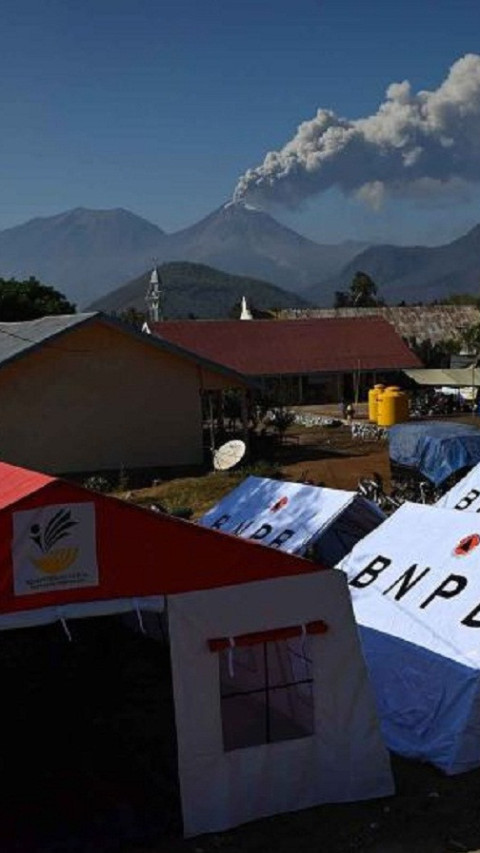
(54, 548)
(283, 515)
(417, 577)
(465, 495)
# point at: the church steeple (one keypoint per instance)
(245, 313)
(154, 297)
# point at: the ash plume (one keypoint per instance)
(414, 143)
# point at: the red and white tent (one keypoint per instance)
(272, 704)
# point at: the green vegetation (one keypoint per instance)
(197, 493)
(361, 294)
(28, 300)
(434, 355)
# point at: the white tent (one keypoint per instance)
(465, 494)
(293, 517)
(416, 595)
(274, 710)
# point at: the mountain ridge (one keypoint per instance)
(198, 290)
(410, 273)
(85, 253)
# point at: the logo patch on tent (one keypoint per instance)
(467, 545)
(279, 504)
(54, 548)
(50, 559)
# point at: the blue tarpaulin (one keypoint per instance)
(436, 449)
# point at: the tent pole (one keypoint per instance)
(211, 423)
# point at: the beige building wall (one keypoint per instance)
(97, 399)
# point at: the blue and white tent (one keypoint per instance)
(437, 449)
(295, 517)
(465, 494)
(415, 585)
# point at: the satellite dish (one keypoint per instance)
(228, 455)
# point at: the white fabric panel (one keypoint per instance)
(288, 516)
(344, 759)
(46, 615)
(465, 495)
(428, 606)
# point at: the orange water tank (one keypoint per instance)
(373, 395)
(392, 407)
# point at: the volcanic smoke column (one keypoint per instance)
(414, 143)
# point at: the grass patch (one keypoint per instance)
(198, 493)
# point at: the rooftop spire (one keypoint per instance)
(245, 313)
(154, 296)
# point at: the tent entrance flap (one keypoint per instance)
(94, 720)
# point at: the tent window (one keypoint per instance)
(266, 693)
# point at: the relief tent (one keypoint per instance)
(415, 589)
(296, 517)
(273, 710)
(464, 495)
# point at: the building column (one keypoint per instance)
(244, 417)
(211, 422)
(300, 390)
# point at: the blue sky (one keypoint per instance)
(159, 106)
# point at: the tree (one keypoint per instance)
(342, 299)
(460, 299)
(29, 299)
(132, 317)
(363, 291)
(471, 338)
(361, 294)
(434, 354)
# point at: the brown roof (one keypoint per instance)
(422, 322)
(274, 347)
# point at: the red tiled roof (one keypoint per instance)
(272, 347)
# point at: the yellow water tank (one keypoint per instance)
(373, 395)
(392, 407)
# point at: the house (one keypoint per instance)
(84, 392)
(313, 360)
(272, 707)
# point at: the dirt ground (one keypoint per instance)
(330, 455)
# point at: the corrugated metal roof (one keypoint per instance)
(18, 338)
(423, 322)
(275, 347)
(461, 377)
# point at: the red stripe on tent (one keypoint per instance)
(218, 644)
